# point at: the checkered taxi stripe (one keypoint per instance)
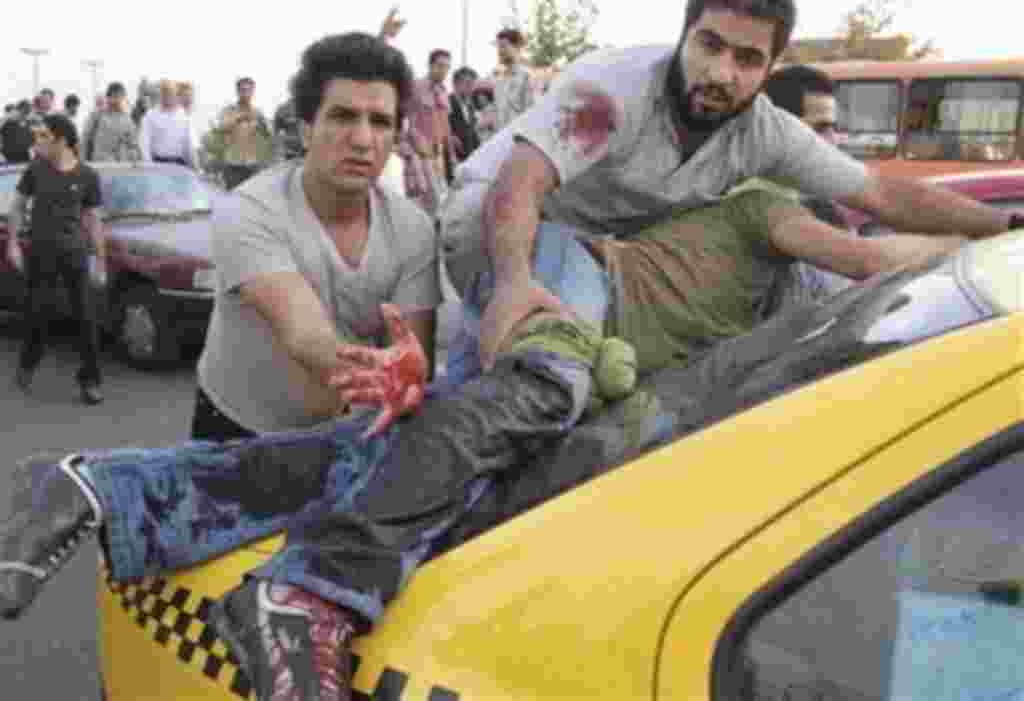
(178, 620)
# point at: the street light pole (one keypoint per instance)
(94, 66)
(465, 32)
(35, 54)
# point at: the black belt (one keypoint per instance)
(170, 159)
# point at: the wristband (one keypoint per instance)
(1016, 221)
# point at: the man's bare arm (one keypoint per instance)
(512, 210)
(912, 205)
(809, 239)
(94, 230)
(300, 324)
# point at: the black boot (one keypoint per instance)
(51, 508)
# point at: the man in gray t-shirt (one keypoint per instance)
(306, 253)
(626, 138)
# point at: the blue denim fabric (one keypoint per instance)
(172, 508)
(562, 265)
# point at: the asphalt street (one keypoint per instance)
(51, 652)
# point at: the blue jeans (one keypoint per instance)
(562, 265)
(172, 508)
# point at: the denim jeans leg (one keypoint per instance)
(563, 265)
(171, 508)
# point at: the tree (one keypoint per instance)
(862, 28)
(557, 31)
(862, 36)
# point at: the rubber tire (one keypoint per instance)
(166, 348)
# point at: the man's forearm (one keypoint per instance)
(317, 355)
(511, 216)
(94, 229)
(15, 221)
(913, 206)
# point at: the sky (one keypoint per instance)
(213, 43)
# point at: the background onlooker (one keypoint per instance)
(462, 116)
(248, 144)
(165, 135)
(110, 133)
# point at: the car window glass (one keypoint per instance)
(931, 609)
(153, 191)
(962, 120)
(869, 117)
(8, 185)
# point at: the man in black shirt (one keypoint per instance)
(65, 232)
(16, 135)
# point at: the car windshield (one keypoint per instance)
(152, 191)
(8, 183)
(868, 116)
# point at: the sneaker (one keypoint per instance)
(91, 394)
(293, 645)
(51, 509)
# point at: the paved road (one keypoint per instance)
(51, 652)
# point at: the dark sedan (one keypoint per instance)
(160, 276)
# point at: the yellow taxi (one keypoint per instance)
(838, 517)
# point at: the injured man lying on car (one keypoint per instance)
(361, 511)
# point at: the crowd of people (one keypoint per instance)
(611, 212)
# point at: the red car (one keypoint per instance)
(161, 279)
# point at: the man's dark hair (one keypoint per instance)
(464, 73)
(71, 102)
(439, 53)
(514, 36)
(116, 89)
(62, 128)
(781, 12)
(352, 56)
(243, 80)
(49, 93)
(787, 87)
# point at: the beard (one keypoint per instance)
(693, 115)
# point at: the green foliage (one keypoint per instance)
(862, 27)
(558, 31)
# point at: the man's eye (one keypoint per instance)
(711, 44)
(751, 59)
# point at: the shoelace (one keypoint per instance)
(66, 549)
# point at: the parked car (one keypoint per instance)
(837, 517)
(160, 275)
(1001, 188)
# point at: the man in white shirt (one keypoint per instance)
(165, 134)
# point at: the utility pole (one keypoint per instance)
(35, 54)
(465, 32)
(94, 66)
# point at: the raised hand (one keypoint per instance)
(394, 377)
(392, 24)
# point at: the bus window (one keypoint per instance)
(868, 117)
(962, 120)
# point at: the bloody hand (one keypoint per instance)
(394, 377)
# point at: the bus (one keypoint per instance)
(923, 118)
